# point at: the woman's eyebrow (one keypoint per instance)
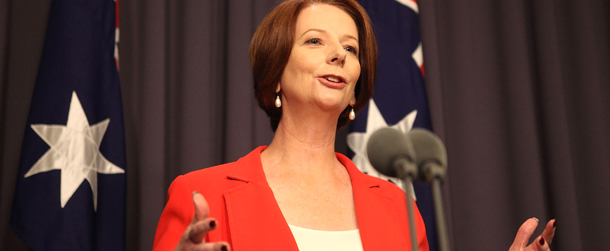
(323, 31)
(350, 37)
(318, 30)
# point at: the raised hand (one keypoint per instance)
(193, 237)
(525, 232)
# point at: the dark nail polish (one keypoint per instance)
(554, 223)
(223, 248)
(541, 241)
(213, 224)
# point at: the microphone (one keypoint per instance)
(391, 153)
(432, 162)
(420, 155)
(431, 154)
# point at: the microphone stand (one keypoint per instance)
(406, 172)
(434, 173)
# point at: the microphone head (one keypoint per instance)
(429, 149)
(385, 147)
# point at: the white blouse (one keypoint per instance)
(318, 240)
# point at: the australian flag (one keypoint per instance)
(399, 99)
(70, 192)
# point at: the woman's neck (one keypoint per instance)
(312, 188)
(302, 147)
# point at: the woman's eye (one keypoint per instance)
(352, 50)
(313, 41)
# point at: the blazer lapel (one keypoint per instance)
(375, 213)
(255, 220)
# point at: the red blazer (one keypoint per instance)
(249, 218)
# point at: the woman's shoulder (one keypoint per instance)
(385, 187)
(213, 172)
(244, 168)
(203, 180)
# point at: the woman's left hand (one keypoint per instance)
(526, 230)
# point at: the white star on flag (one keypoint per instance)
(357, 140)
(74, 151)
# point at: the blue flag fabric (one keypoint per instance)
(71, 186)
(400, 99)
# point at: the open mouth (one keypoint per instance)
(334, 79)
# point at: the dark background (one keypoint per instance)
(519, 91)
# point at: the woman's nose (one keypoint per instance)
(337, 55)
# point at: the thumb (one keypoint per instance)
(202, 210)
(523, 235)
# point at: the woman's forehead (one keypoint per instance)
(326, 19)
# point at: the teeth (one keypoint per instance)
(333, 79)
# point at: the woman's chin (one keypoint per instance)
(333, 106)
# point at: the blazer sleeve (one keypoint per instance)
(421, 229)
(177, 215)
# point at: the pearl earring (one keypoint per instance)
(352, 114)
(278, 101)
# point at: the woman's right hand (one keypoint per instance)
(193, 237)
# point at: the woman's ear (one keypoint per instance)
(352, 102)
(278, 88)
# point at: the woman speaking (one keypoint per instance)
(313, 63)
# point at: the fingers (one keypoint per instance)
(200, 225)
(198, 230)
(549, 231)
(540, 244)
(544, 240)
(193, 237)
(202, 210)
(217, 246)
(523, 235)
